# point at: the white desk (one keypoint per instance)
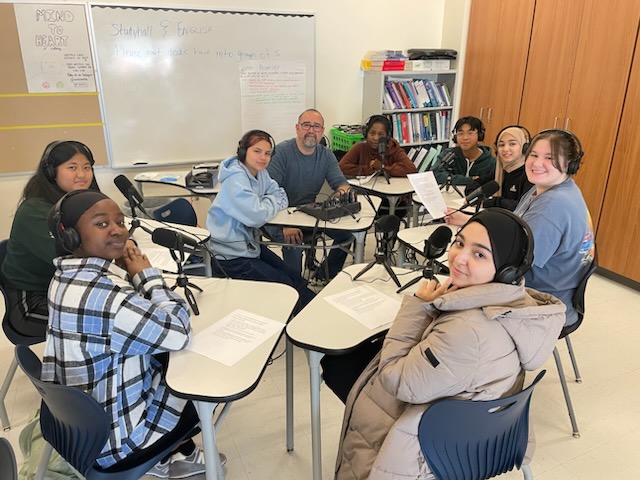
(394, 191)
(174, 178)
(414, 238)
(207, 382)
(322, 329)
(358, 226)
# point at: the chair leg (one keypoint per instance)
(567, 397)
(4, 418)
(573, 360)
(526, 472)
(44, 461)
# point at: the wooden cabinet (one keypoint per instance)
(577, 72)
(495, 62)
(618, 234)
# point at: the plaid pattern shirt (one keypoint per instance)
(103, 331)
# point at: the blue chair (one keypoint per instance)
(475, 440)
(8, 467)
(15, 338)
(579, 304)
(178, 211)
(76, 425)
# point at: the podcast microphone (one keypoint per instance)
(382, 145)
(437, 243)
(131, 193)
(448, 159)
(482, 192)
(434, 247)
(171, 239)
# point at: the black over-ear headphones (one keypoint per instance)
(473, 122)
(48, 164)
(68, 237)
(243, 144)
(527, 136)
(511, 274)
(575, 158)
(377, 119)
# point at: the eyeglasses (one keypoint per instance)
(315, 126)
(466, 133)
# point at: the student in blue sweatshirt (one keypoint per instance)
(248, 199)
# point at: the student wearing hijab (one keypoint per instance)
(112, 319)
(511, 146)
(471, 337)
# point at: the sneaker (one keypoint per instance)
(186, 466)
(160, 470)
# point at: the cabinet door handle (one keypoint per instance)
(481, 112)
(489, 115)
(566, 123)
(555, 122)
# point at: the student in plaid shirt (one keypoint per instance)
(112, 320)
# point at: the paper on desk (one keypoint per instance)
(428, 191)
(361, 180)
(160, 257)
(233, 337)
(370, 307)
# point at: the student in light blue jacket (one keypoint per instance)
(248, 199)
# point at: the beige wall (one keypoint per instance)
(345, 30)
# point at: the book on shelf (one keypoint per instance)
(444, 91)
(431, 157)
(406, 103)
(404, 128)
(429, 85)
(422, 153)
(412, 153)
(422, 92)
(387, 101)
(412, 100)
(392, 92)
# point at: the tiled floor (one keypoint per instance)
(606, 404)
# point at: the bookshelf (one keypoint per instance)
(416, 119)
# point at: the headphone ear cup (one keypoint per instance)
(454, 138)
(507, 275)
(481, 135)
(69, 238)
(525, 147)
(242, 153)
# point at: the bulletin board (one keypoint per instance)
(49, 101)
(145, 86)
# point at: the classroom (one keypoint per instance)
(253, 435)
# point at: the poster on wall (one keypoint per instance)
(273, 90)
(54, 40)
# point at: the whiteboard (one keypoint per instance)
(182, 85)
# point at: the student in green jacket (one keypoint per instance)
(468, 160)
(28, 268)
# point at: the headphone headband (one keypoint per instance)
(527, 135)
(67, 237)
(573, 165)
(511, 274)
(243, 143)
(48, 164)
(373, 119)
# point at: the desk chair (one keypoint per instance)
(15, 338)
(76, 425)
(8, 467)
(475, 440)
(178, 211)
(181, 212)
(579, 304)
